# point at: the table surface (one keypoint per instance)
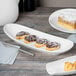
(26, 65)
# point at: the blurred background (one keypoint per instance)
(30, 5)
(57, 3)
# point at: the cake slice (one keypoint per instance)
(68, 21)
(70, 66)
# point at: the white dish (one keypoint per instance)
(12, 29)
(53, 18)
(57, 67)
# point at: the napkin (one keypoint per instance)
(8, 53)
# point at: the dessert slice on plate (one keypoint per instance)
(67, 20)
(64, 66)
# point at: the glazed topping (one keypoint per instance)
(21, 33)
(41, 41)
(31, 38)
(52, 44)
(69, 17)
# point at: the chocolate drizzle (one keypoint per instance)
(41, 41)
(21, 33)
(52, 44)
(31, 38)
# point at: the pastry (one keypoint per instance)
(75, 62)
(70, 66)
(40, 42)
(30, 38)
(50, 46)
(68, 21)
(74, 65)
(21, 35)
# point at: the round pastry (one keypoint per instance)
(30, 38)
(21, 35)
(50, 46)
(40, 42)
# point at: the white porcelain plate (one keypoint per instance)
(57, 67)
(12, 29)
(53, 18)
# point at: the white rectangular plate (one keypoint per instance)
(57, 67)
(12, 29)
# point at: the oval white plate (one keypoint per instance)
(12, 29)
(53, 18)
(57, 67)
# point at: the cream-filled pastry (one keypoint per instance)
(41, 42)
(51, 46)
(30, 38)
(21, 35)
